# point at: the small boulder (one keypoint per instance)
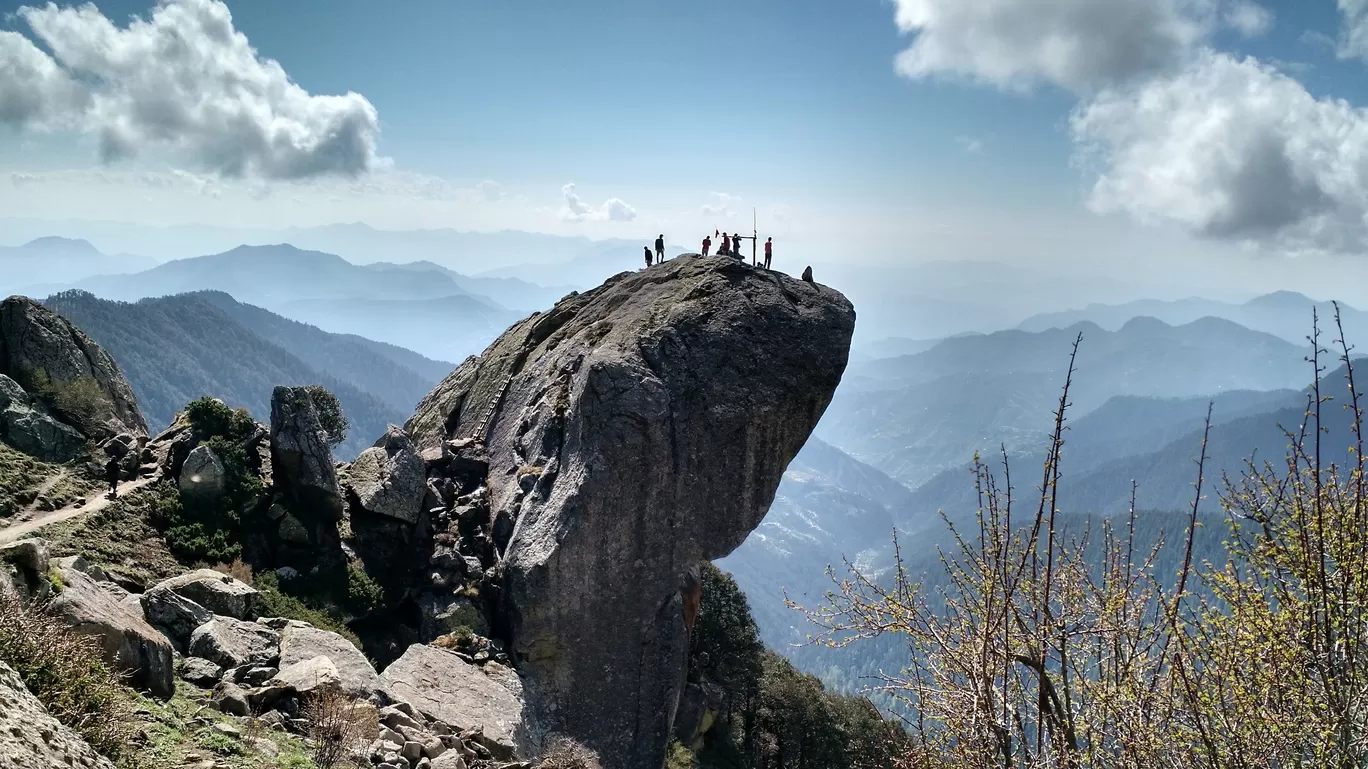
(173, 614)
(28, 554)
(300, 642)
(231, 699)
(220, 593)
(200, 672)
(233, 643)
(202, 477)
(130, 644)
(389, 479)
(307, 676)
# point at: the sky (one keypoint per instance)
(1144, 134)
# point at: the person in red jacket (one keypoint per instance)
(769, 251)
(707, 244)
(726, 245)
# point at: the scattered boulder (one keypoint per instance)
(130, 644)
(388, 479)
(300, 643)
(40, 350)
(232, 642)
(231, 699)
(220, 593)
(631, 432)
(28, 554)
(201, 476)
(200, 672)
(31, 737)
(306, 676)
(25, 425)
(437, 682)
(301, 459)
(173, 614)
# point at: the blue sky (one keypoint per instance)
(680, 112)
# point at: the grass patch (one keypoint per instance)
(20, 477)
(181, 733)
(67, 674)
(123, 537)
(275, 602)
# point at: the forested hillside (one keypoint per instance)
(176, 349)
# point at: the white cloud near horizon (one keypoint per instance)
(184, 81)
(721, 204)
(576, 210)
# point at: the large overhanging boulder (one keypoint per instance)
(632, 432)
(51, 358)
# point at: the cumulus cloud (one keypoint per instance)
(970, 145)
(576, 210)
(721, 204)
(1248, 18)
(1353, 42)
(184, 80)
(1232, 148)
(1080, 45)
(490, 190)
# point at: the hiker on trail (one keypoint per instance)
(112, 475)
(769, 251)
(726, 245)
(660, 249)
(647, 249)
(707, 244)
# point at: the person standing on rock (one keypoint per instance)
(112, 475)
(707, 244)
(769, 251)
(648, 256)
(660, 249)
(726, 245)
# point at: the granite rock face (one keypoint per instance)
(41, 350)
(302, 461)
(388, 479)
(632, 432)
(31, 737)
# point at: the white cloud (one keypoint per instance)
(721, 204)
(576, 210)
(19, 179)
(183, 80)
(1232, 148)
(1248, 18)
(1353, 42)
(490, 190)
(970, 145)
(1077, 44)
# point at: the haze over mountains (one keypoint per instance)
(932, 380)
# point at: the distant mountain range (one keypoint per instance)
(178, 348)
(1286, 314)
(51, 259)
(915, 416)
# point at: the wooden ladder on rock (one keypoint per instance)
(491, 406)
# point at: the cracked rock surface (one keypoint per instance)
(630, 433)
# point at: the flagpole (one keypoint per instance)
(755, 234)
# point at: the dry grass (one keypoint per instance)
(67, 674)
(565, 753)
(338, 725)
(237, 570)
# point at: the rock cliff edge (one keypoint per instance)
(632, 432)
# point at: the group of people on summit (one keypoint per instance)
(731, 246)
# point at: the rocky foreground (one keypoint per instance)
(536, 527)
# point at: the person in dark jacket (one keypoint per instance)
(647, 249)
(707, 244)
(660, 249)
(112, 475)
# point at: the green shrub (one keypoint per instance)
(211, 417)
(364, 594)
(275, 602)
(679, 757)
(79, 400)
(67, 674)
(330, 415)
(212, 531)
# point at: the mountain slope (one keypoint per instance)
(449, 328)
(399, 377)
(915, 416)
(269, 275)
(52, 259)
(176, 349)
(513, 293)
(1285, 314)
